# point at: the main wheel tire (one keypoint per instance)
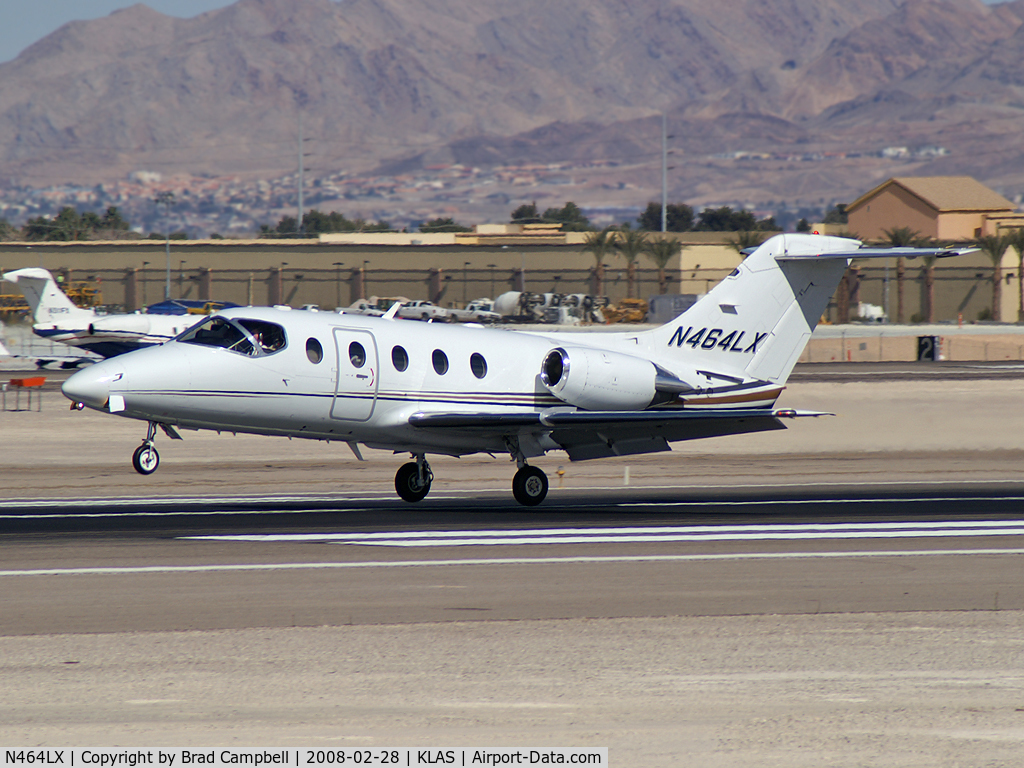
(530, 486)
(407, 482)
(145, 459)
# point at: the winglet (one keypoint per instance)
(392, 311)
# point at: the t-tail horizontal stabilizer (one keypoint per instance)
(877, 253)
(754, 325)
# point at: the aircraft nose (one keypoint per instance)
(91, 385)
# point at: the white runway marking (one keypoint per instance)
(181, 569)
(646, 535)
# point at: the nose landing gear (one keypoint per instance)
(146, 459)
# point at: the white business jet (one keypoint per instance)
(56, 318)
(421, 388)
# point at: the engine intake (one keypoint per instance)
(597, 380)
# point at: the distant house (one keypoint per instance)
(941, 207)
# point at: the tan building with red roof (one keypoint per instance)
(957, 208)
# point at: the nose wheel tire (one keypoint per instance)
(145, 459)
(408, 483)
(530, 486)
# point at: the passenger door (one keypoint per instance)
(356, 392)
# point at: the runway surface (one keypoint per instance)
(849, 592)
(93, 565)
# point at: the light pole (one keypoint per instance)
(337, 276)
(301, 180)
(166, 198)
(664, 172)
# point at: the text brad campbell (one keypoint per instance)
(298, 758)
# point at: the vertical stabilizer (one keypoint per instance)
(49, 304)
(755, 323)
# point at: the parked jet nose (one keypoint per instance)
(92, 385)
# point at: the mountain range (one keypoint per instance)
(766, 99)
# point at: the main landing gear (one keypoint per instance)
(146, 459)
(413, 479)
(529, 486)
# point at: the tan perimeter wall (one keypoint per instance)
(329, 275)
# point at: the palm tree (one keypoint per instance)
(1015, 237)
(600, 244)
(929, 288)
(994, 246)
(747, 239)
(899, 237)
(630, 243)
(661, 251)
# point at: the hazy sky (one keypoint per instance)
(26, 22)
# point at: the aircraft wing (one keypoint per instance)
(599, 434)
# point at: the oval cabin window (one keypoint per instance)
(314, 350)
(356, 354)
(478, 365)
(399, 358)
(440, 360)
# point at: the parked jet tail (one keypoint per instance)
(49, 304)
(754, 325)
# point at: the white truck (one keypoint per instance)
(477, 311)
(423, 310)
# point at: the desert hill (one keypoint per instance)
(397, 83)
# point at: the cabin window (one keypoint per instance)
(440, 360)
(356, 354)
(314, 350)
(399, 358)
(478, 365)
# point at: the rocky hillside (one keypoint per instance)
(487, 81)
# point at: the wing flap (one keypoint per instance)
(600, 434)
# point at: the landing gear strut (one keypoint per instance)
(412, 481)
(146, 459)
(530, 484)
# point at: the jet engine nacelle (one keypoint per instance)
(597, 380)
(134, 324)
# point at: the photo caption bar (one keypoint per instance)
(296, 758)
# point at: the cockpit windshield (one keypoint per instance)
(244, 336)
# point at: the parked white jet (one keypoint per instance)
(717, 369)
(56, 318)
